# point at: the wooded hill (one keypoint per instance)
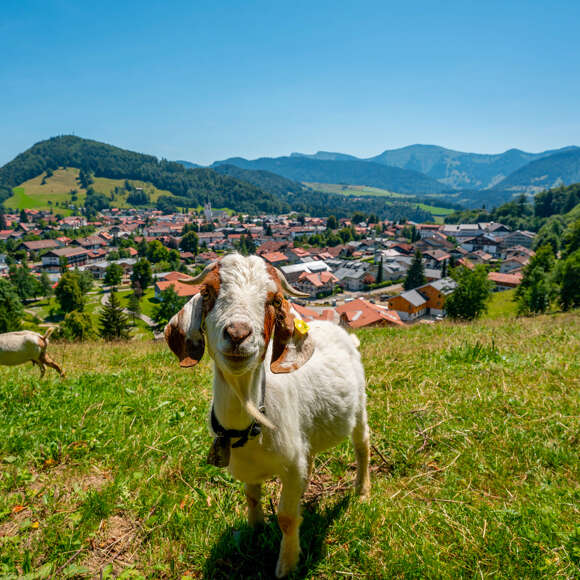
(241, 190)
(191, 187)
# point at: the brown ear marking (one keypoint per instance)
(187, 351)
(289, 350)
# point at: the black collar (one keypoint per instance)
(243, 435)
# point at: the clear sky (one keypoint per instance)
(202, 81)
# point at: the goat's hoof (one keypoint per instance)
(364, 492)
(284, 567)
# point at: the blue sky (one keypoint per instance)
(203, 80)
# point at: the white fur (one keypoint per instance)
(313, 408)
(17, 348)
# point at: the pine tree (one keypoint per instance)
(114, 324)
(3, 224)
(134, 306)
(416, 274)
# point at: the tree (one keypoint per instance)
(170, 304)
(11, 310)
(68, 293)
(113, 275)
(190, 243)
(134, 306)
(380, 272)
(571, 239)
(114, 324)
(3, 224)
(469, 300)
(77, 326)
(537, 289)
(23, 216)
(26, 285)
(86, 280)
(157, 252)
(45, 285)
(331, 223)
(570, 281)
(142, 274)
(416, 274)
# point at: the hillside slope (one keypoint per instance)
(552, 171)
(474, 464)
(352, 172)
(265, 180)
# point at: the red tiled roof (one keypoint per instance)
(274, 257)
(505, 279)
(182, 290)
(359, 313)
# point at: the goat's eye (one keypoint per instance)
(277, 301)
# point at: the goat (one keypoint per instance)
(16, 348)
(308, 399)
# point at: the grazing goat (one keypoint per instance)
(279, 415)
(16, 348)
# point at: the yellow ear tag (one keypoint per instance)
(300, 326)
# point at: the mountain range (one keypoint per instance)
(453, 170)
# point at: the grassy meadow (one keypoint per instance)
(475, 466)
(33, 194)
(362, 190)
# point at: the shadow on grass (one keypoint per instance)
(246, 553)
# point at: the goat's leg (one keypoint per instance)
(361, 442)
(254, 498)
(49, 362)
(289, 520)
(40, 366)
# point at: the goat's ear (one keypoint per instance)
(290, 350)
(183, 333)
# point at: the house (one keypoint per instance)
(276, 259)
(38, 245)
(361, 313)
(485, 242)
(309, 314)
(504, 281)
(352, 275)
(75, 257)
(408, 305)
(518, 238)
(181, 289)
(435, 258)
(436, 293)
(513, 264)
(316, 283)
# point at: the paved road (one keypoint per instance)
(143, 317)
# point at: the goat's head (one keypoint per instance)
(241, 308)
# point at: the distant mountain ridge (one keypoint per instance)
(455, 169)
(562, 168)
(300, 168)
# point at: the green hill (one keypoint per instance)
(265, 180)
(193, 187)
(474, 466)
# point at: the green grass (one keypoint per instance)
(475, 467)
(501, 305)
(32, 194)
(355, 190)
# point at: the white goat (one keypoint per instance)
(16, 348)
(280, 415)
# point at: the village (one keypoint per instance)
(357, 283)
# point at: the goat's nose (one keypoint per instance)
(237, 332)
